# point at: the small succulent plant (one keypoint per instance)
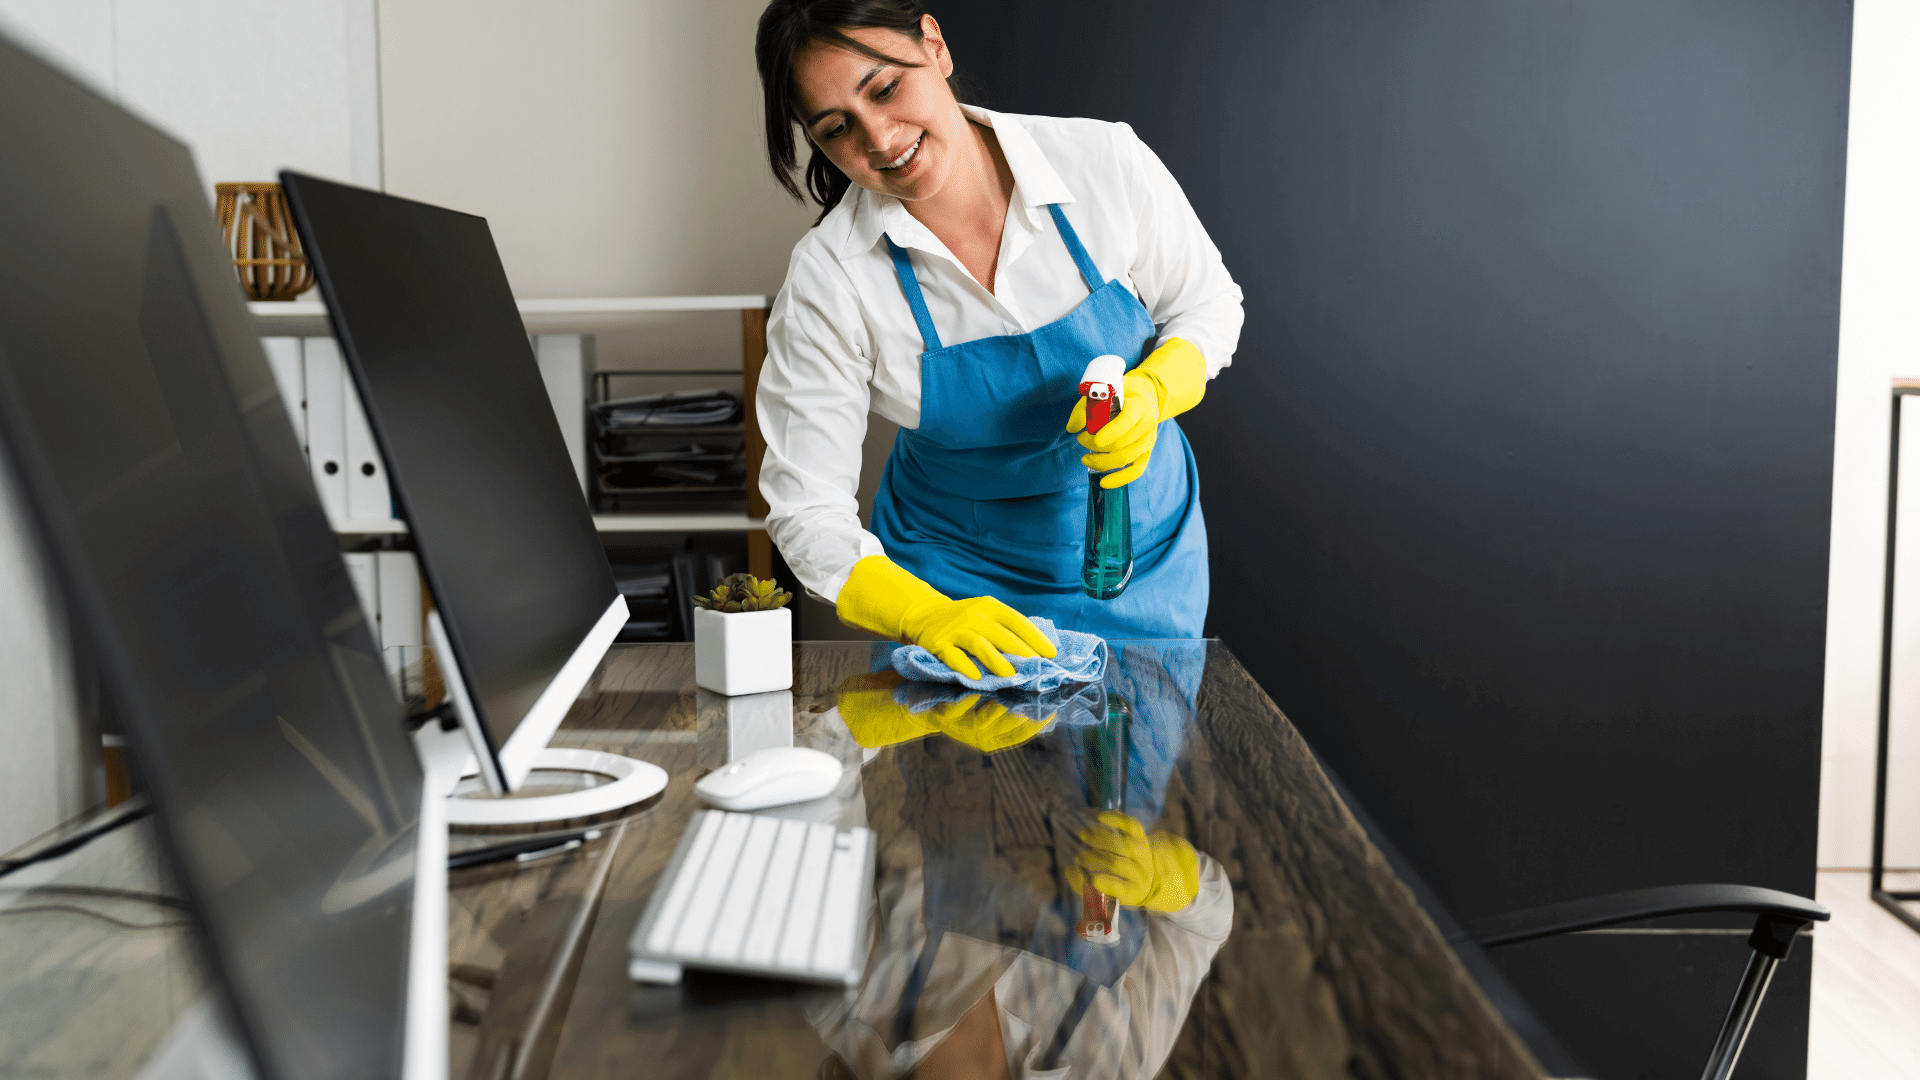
(744, 592)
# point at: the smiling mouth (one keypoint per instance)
(901, 161)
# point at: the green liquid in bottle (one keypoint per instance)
(1107, 565)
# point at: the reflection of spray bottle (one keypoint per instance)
(1107, 565)
(1103, 760)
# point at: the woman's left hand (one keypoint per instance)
(1167, 383)
(1121, 448)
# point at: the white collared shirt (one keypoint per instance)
(842, 341)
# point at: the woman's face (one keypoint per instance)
(893, 130)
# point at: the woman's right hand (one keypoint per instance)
(881, 597)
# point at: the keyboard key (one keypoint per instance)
(682, 888)
(833, 953)
(730, 931)
(770, 916)
(796, 941)
(691, 939)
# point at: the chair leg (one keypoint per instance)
(1740, 1014)
(1771, 939)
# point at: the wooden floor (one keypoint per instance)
(1866, 986)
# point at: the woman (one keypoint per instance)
(965, 268)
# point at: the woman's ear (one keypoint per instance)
(936, 46)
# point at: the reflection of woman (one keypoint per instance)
(966, 267)
(976, 967)
(937, 1003)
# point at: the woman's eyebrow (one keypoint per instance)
(857, 87)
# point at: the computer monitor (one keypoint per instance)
(152, 450)
(525, 603)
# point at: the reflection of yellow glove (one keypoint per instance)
(1159, 872)
(881, 597)
(874, 718)
(984, 724)
(1167, 383)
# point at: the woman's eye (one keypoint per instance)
(887, 91)
(835, 131)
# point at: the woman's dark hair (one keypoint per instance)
(786, 27)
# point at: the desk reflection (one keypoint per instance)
(995, 817)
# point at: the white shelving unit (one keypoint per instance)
(308, 318)
(606, 523)
(580, 318)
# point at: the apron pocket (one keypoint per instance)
(1039, 537)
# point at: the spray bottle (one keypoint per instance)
(1107, 565)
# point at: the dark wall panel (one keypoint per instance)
(1518, 488)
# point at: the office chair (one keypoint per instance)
(1779, 918)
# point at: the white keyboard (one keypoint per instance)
(761, 896)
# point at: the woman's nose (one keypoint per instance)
(883, 138)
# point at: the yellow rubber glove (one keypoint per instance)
(1167, 383)
(881, 597)
(1159, 872)
(874, 718)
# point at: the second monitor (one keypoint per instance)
(525, 603)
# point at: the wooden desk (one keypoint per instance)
(1330, 968)
(1329, 961)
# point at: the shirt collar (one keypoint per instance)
(1035, 184)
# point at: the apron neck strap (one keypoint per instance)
(903, 269)
(1078, 250)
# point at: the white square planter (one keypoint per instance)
(743, 652)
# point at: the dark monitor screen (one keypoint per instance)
(477, 463)
(158, 462)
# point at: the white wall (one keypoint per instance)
(253, 86)
(614, 146)
(1880, 286)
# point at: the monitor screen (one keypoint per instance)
(150, 444)
(477, 463)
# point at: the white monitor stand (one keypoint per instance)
(526, 750)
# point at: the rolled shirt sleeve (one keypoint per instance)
(812, 404)
(1176, 267)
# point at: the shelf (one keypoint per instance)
(680, 430)
(308, 318)
(374, 527)
(606, 523)
(677, 522)
(629, 305)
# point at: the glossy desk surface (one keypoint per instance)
(1303, 956)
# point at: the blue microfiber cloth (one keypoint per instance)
(1082, 658)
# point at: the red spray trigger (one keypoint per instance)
(1103, 387)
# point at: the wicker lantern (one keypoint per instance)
(258, 230)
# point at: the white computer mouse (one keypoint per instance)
(772, 777)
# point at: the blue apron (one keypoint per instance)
(993, 425)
